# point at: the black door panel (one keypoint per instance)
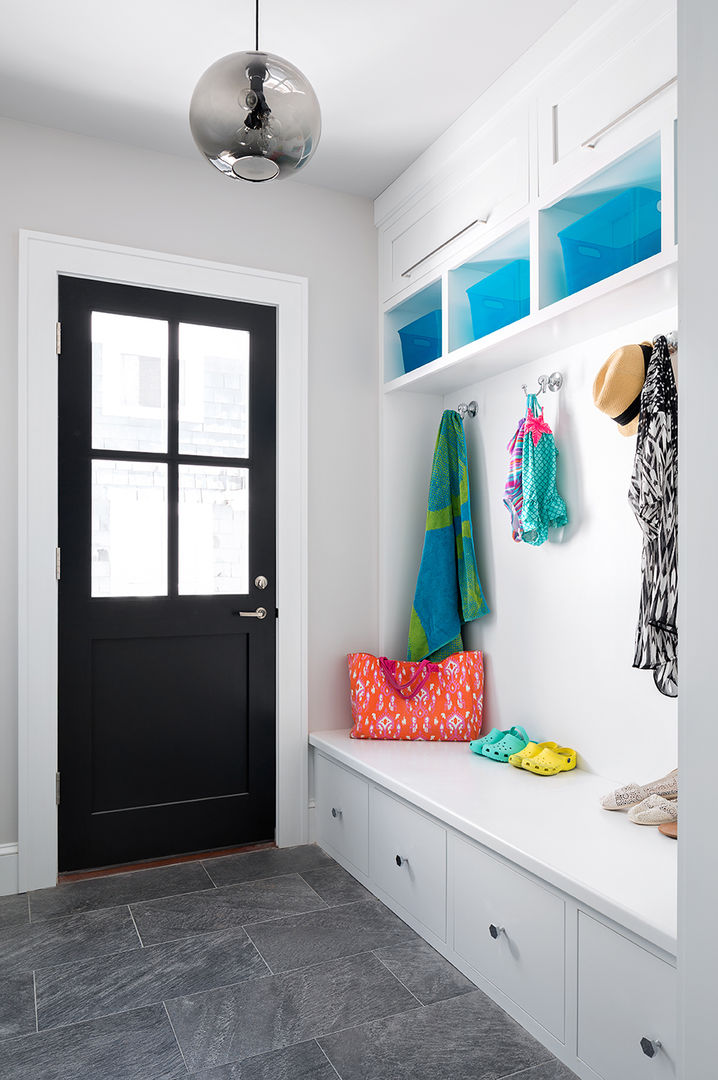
(166, 702)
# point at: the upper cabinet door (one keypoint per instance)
(483, 184)
(615, 89)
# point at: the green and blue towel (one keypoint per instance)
(448, 590)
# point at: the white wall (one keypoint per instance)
(68, 184)
(559, 640)
(558, 644)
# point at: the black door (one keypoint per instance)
(167, 541)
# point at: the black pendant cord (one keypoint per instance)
(256, 27)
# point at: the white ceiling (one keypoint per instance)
(390, 74)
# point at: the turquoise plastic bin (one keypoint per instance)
(621, 233)
(500, 298)
(421, 340)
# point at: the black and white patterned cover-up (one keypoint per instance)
(653, 495)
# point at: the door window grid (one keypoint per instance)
(164, 526)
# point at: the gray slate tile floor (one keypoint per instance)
(14, 910)
(218, 909)
(301, 940)
(17, 1004)
(274, 965)
(62, 941)
(423, 971)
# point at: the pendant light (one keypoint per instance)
(254, 115)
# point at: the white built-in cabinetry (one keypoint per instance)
(600, 119)
(407, 859)
(496, 912)
(564, 914)
(606, 95)
(623, 988)
(449, 221)
(487, 182)
(561, 912)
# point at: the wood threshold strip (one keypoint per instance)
(171, 860)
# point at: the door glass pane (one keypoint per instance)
(129, 528)
(213, 530)
(129, 383)
(214, 391)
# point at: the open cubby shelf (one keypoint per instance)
(648, 287)
(573, 268)
(603, 226)
(491, 290)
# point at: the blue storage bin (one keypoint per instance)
(421, 340)
(500, 298)
(622, 232)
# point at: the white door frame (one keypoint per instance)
(42, 258)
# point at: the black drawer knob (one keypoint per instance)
(650, 1046)
(336, 813)
(496, 930)
(401, 861)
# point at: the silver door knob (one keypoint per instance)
(260, 581)
(260, 613)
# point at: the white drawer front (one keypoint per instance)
(625, 994)
(419, 883)
(524, 954)
(342, 809)
(494, 185)
(602, 85)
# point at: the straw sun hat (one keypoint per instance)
(617, 387)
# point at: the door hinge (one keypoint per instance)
(57, 563)
(57, 789)
(58, 338)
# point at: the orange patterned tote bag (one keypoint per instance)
(397, 699)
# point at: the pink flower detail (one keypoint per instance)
(536, 426)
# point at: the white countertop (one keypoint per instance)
(552, 826)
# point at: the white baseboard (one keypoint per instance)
(8, 869)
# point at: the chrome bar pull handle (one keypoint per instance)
(478, 221)
(260, 613)
(590, 144)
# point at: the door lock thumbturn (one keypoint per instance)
(261, 582)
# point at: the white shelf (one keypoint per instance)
(553, 827)
(644, 289)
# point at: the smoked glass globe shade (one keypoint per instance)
(255, 117)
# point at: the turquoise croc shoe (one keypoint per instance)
(509, 742)
(477, 746)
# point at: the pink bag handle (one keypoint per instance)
(406, 690)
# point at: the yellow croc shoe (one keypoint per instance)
(528, 751)
(550, 759)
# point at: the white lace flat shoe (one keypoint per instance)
(622, 798)
(655, 810)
